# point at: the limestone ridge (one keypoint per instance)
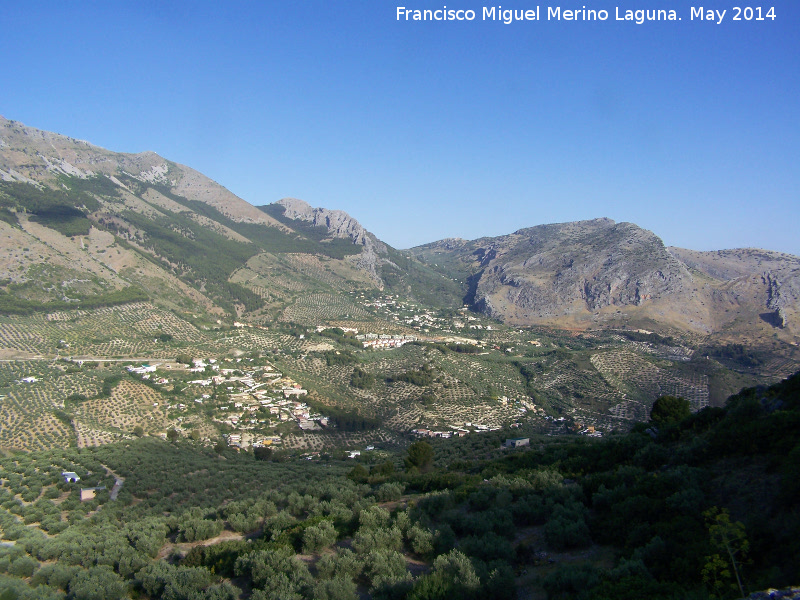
(773, 278)
(559, 269)
(39, 157)
(340, 225)
(602, 272)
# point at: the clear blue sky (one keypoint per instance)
(437, 129)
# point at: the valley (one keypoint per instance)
(297, 409)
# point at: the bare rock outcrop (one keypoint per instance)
(567, 268)
(340, 225)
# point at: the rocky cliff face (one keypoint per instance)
(553, 270)
(340, 225)
(599, 271)
(338, 222)
(769, 281)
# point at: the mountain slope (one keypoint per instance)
(34, 156)
(395, 271)
(598, 272)
(116, 221)
(82, 226)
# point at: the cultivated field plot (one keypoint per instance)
(131, 403)
(316, 441)
(12, 372)
(645, 382)
(32, 393)
(454, 404)
(449, 401)
(319, 269)
(378, 326)
(23, 427)
(406, 418)
(254, 339)
(128, 330)
(279, 280)
(631, 410)
(45, 403)
(448, 415)
(781, 368)
(318, 309)
(394, 362)
(314, 365)
(571, 383)
(498, 377)
(455, 401)
(17, 335)
(89, 436)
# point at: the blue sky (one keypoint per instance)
(437, 129)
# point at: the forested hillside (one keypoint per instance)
(695, 506)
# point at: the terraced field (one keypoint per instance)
(23, 427)
(644, 382)
(329, 440)
(781, 367)
(129, 330)
(397, 404)
(319, 309)
(280, 281)
(27, 408)
(256, 340)
(14, 336)
(319, 269)
(131, 403)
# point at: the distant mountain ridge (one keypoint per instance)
(34, 156)
(602, 273)
(147, 224)
(71, 211)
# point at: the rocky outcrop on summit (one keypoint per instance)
(599, 272)
(340, 225)
(553, 270)
(338, 222)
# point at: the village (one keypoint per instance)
(246, 401)
(255, 406)
(411, 315)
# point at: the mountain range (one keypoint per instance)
(82, 226)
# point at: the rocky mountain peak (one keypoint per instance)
(338, 223)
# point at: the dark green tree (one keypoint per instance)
(98, 583)
(420, 456)
(669, 409)
(359, 473)
(185, 359)
(262, 453)
(361, 379)
(452, 576)
(318, 537)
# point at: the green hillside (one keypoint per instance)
(704, 507)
